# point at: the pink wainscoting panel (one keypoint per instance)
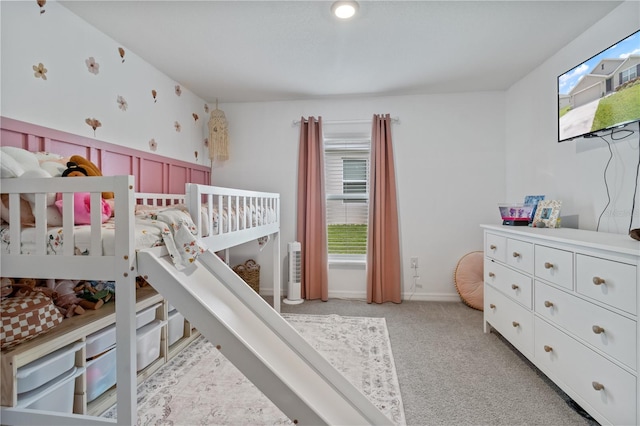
(153, 173)
(178, 177)
(10, 138)
(199, 176)
(151, 177)
(115, 163)
(65, 149)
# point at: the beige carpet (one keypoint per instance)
(201, 387)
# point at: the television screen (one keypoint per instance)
(601, 93)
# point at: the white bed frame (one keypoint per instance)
(224, 200)
(120, 267)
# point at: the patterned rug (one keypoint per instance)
(201, 387)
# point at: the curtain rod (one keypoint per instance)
(357, 121)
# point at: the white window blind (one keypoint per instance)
(347, 192)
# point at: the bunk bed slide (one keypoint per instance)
(257, 340)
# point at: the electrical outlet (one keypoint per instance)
(418, 285)
(414, 262)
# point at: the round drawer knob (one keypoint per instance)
(547, 348)
(514, 286)
(597, 329)
(597, 386)
(515, 324)
(492, 306)
(548, 265)
(516, 254)
(598, 280)
(493, 247)
(491, 275)
(548, 304)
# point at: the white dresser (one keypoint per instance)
(568, 300)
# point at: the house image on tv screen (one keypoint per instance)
(605, 78)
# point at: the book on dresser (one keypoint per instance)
(568, 300)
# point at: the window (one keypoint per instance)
(347, 192)
(629, 74)
(354, 178)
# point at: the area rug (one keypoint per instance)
(201, 387)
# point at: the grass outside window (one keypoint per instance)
(347, 239)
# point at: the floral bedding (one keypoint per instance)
(164, 226)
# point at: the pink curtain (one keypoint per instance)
(312, 225)
(383, 241)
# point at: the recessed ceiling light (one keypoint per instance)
(344, 9)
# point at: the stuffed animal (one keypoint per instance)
(66, 300)
(6, 287)
(90, 170)
(82, 200)
(73, 169)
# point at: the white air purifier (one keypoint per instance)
(295, 273)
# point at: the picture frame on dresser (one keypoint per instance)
(533, 200)
(548, 212)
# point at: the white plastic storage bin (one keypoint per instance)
(47, 368)
(55, 395)
(176, 327)
(147, 315)
(101, 374)
(101, 341)
(148, 339)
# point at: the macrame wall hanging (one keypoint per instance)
(218, 135)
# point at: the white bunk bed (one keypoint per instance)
(119, 265)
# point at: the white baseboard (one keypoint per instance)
(425, 297)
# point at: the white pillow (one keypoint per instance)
(54, 168)
(26, 159)
(10, 168)
(38, 173)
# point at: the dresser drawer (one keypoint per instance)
(495, 246)
(554, 265)
(520, 255)
(584, 371)
(607, 281)
(607, 331)
(512, 283)
(514, 322)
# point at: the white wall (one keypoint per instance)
(571, 171)
(62, 42)
(450, 165)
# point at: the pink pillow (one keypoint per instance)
(82, 208)
(469, 279)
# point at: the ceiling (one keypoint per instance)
(246, 51)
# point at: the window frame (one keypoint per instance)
(352, 145)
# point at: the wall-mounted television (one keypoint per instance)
(601, 93)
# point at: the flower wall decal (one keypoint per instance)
(39, 71)
(206, 141)
(178, 90)
(154, 94)
(121, 52)
(177, 126)
(122, 103)
(92, 65)
(195, 116)
(94, 123)
(153, 145)
(41, 3)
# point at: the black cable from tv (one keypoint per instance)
(606, 184)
